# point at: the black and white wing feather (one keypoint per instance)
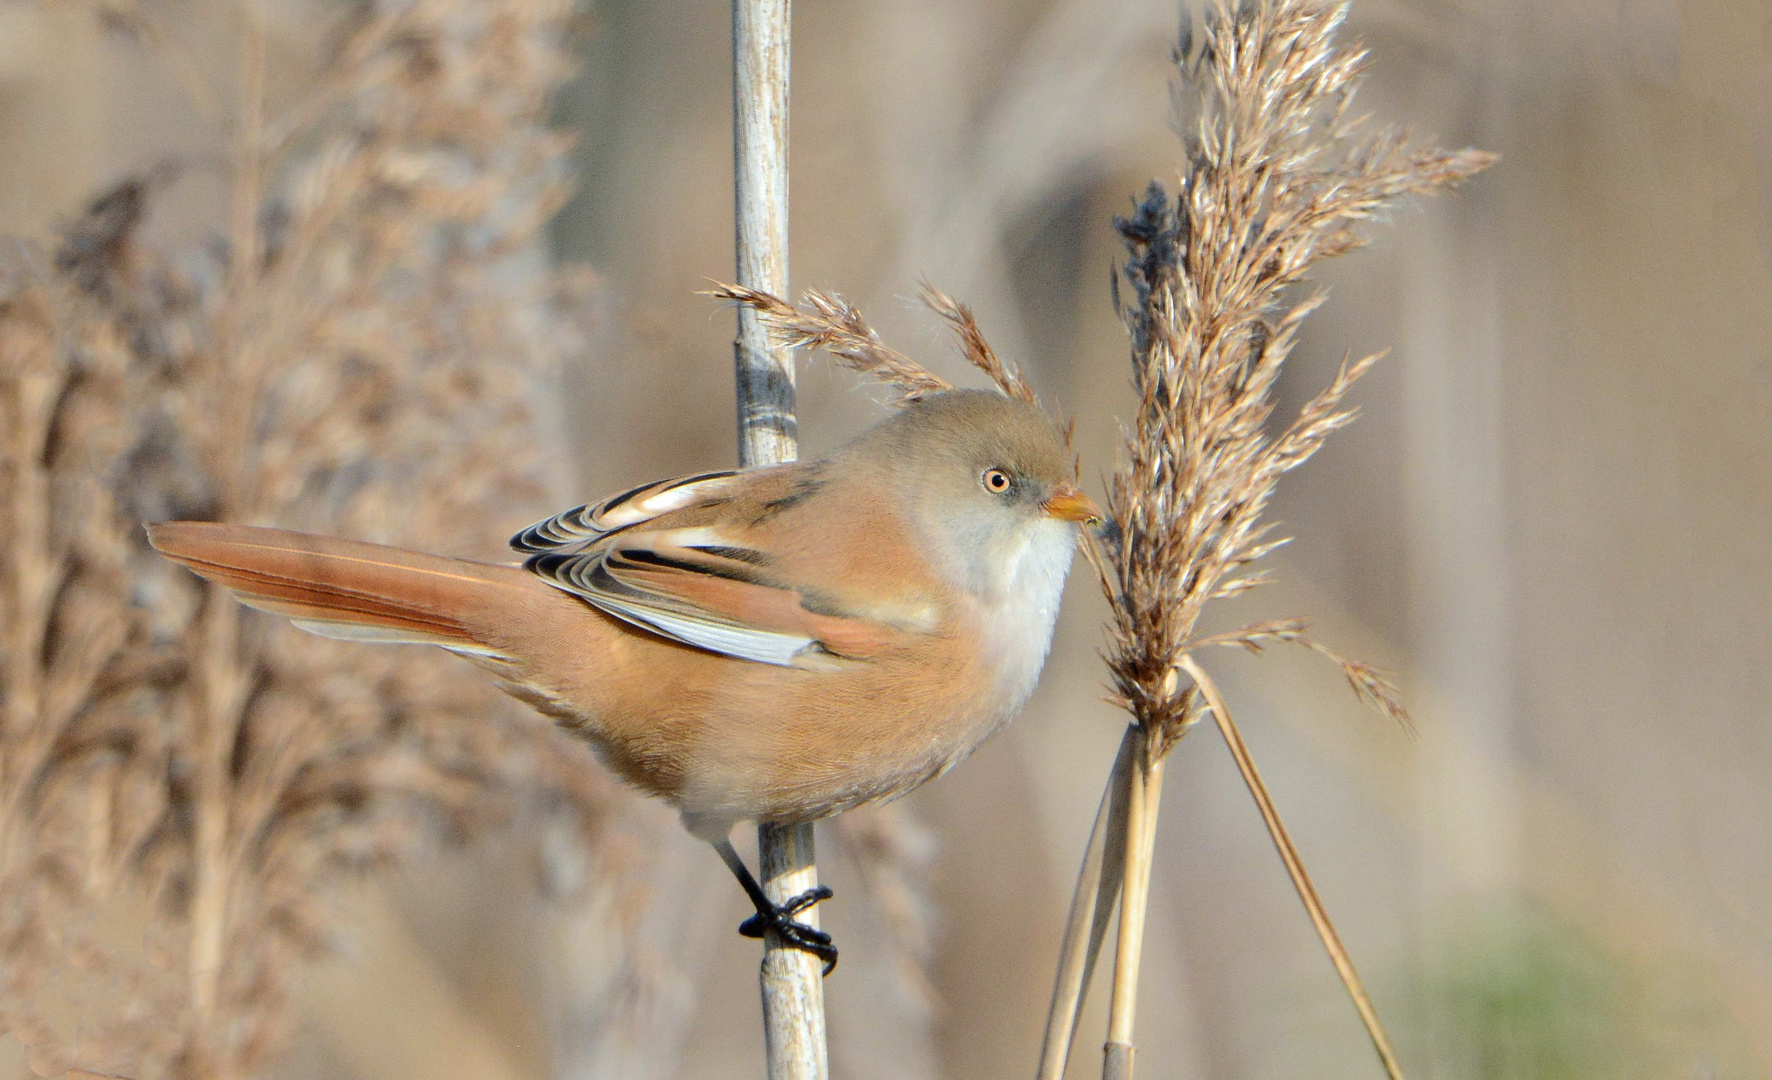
(583, 524)
(691, 586)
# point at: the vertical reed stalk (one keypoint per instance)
(1144, 793)
(1092, 904)
(767, 432)
(792, 980)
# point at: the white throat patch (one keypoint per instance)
(1022, 607)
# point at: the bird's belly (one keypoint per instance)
(726, 739)
(810, 744)
(734, 739)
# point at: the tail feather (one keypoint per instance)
(346, 588)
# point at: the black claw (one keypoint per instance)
(792, 932)
(779, 918)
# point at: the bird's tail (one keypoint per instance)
(356, 591)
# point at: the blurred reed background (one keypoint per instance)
(1552, 520)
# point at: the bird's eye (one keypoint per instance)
(995, 481)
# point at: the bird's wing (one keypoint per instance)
(583, 525)
(695, 585)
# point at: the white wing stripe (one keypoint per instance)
(762, 646)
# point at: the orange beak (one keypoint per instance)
(1066, 503)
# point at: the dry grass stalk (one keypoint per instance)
(1301, 878)
(1277, 176)
(358, 358)
(837, 327)
(1092, 905)
(791, 980)
(1144, 793)
(974, 347)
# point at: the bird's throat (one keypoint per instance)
(1020, 611)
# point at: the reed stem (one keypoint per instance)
(792, 981)
(1301, 880)
(1092, 905)
(1144, 793)
(767, 431)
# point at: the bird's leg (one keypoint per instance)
(780, 917)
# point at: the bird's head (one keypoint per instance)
(987, 480)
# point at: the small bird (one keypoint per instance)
(779, 643)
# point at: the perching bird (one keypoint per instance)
(780, 643)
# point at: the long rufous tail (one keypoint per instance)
(358, 591)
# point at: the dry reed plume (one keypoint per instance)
(357, 356)
(1277, 175)
(834, 325)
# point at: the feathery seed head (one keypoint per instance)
(1275, 177)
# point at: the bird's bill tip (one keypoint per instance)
(1066, 503)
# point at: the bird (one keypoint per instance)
(779, 643)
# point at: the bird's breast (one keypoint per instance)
(1017, 617)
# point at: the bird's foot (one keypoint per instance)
(791, 931)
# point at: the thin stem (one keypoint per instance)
(1085, 928)
(1301, 880)
(792, 980)
(1144, 792)
(767, 431)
